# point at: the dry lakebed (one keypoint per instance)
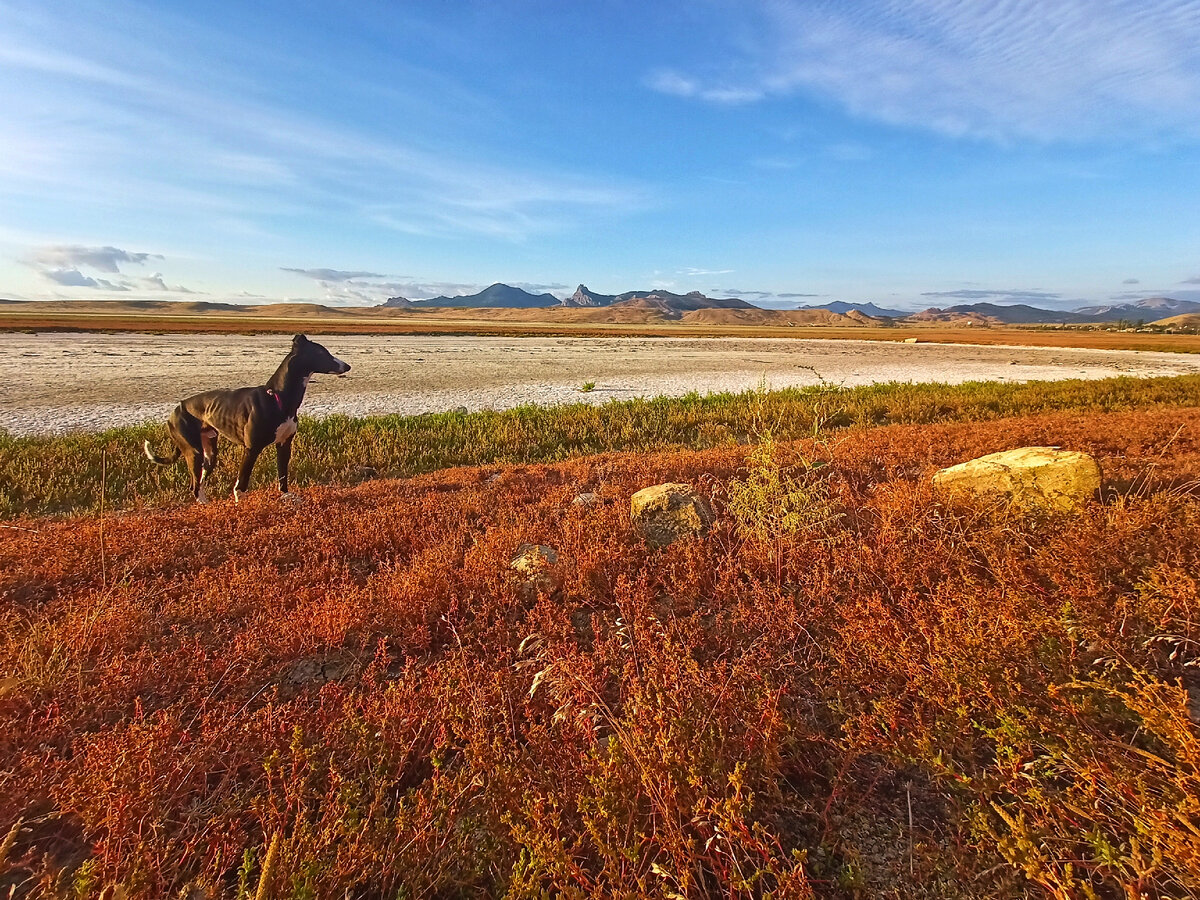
(54, 382)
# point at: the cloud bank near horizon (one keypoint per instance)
(62, 265)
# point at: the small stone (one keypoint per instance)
(461, 410)
(664, 513)
(1046, 477)
(911, 341)
(585, 500)
(313, 670)
(536, 566)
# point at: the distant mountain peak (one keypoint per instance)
(585, 297)
(868, 309)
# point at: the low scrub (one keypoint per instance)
(57, 475)
(356, 696)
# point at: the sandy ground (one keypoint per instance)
(52, 383)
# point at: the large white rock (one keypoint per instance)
(666, 512)
(1029, 477)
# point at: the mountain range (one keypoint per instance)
(491, 297)
(632, 309)
(1148, 309)
(506, 296)
(673, 305)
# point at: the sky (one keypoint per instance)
(913, 154)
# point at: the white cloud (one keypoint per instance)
(668, 81)
(61, 264)
(155, 282)
(998, 69)
(75, 278)
(553, 287)
(697, 273)
(103, 259)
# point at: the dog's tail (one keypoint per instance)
(159, 460)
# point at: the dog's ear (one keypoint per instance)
(298, 339)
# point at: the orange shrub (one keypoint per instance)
(911, 697)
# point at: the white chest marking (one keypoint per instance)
(286, 431)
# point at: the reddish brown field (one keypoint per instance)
(518, 323)
(355, 697)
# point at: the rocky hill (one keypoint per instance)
(494, 296)
(583, 297)
(995, 314)
(865, 309)
(1149, 309)
(667, 302)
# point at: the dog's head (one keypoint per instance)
(312, 357)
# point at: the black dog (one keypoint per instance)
(251, 417)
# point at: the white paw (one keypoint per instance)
(236, 496)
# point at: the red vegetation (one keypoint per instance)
(906, 697)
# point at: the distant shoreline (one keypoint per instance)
(524, 323)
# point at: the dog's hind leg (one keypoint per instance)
(283, 456)
(197, 471)
(248, 461)
(186, 432)
(208, 446)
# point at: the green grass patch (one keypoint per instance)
(59, 475)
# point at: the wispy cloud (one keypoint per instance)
(119, 119)
(999, 69)
(738, 292)
(1131, 281)
(1194, 280)
(358, 288)
(345, 288)
(1012, 296)
(537, 288)
(331, 274)
(698, 273)
(667, 81)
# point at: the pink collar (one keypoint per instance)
(274, 396)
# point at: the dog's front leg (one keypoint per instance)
(283, 456)
(248, 461)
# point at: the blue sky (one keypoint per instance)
(909, 153)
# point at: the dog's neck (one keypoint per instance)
(289, 384)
